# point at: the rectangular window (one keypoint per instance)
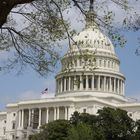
(63, 84)
(80, 62)
(89, 82)
(107, 83)
(84, 82)
(84, 110)
(4, 130)
(75, 63)
(95, 82)
(59, 87)
(72, 83)
(13, 125)
(67, 83)
(78, 82)
(101, 82)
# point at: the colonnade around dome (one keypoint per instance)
(90, 83)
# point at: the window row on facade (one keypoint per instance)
(93, 44)
(90, 82)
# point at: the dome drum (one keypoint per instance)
(89, 83)
(90, 62)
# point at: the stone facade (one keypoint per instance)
(89, 80)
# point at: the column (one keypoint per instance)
(61, 85)
(39, 120)
(64, 83)
(66, 113)
(123, 88)
(54, 113)
(22, 119)
(120, 83)
(57, 86)
(19, 119)
(70, 110)
(104, 83)
(114, 84)
(29, 120)
(75, 84)
(77, 62)
(32, 118)
(92, 82)
(110, 84)
(98, 82)
(47, 115)
(57, 113)
(118, 86)
(69, 82)
(56, 89)
(81, 83)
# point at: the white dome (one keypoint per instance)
(90, 66)
(92, 39)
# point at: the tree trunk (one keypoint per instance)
(6, 6)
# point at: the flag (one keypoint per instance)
(45, 91)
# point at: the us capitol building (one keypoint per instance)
(90, 79)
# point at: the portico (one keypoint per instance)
(35, 117)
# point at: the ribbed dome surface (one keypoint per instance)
(92, 39)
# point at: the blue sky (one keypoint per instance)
(29, 84)
(130, 65)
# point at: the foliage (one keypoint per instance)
(108, 124)
(86, 118)
(31, 30)
(80, 132)
(137, 134)
(56, 130)
(116, 124)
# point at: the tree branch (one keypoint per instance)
(6, 6)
